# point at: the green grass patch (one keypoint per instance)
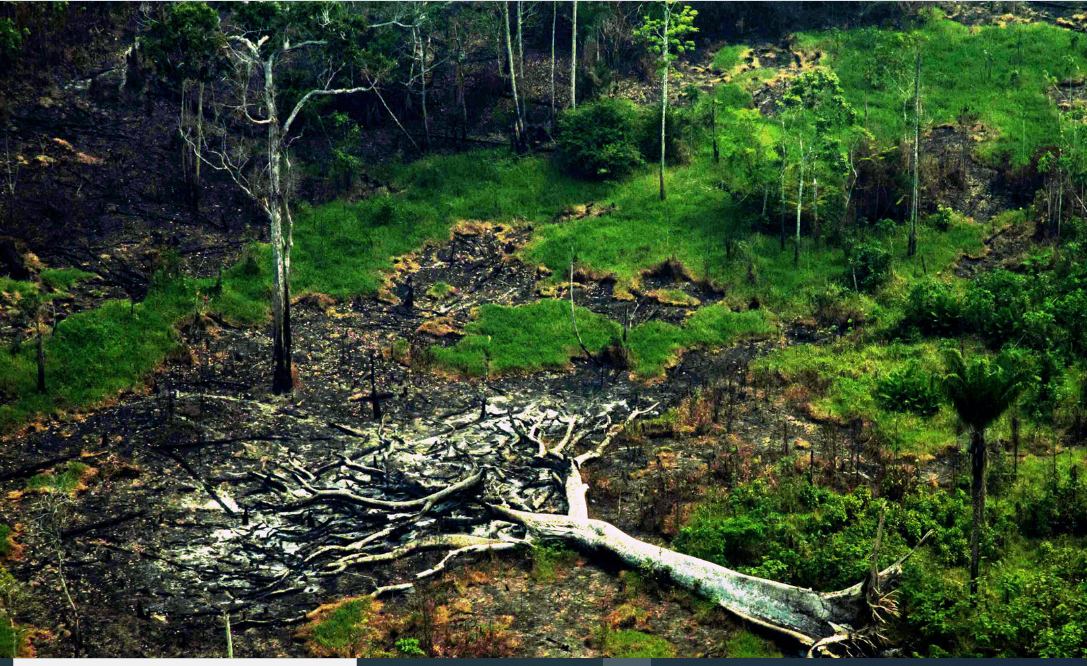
(345, 626)
(547, 560)
(527, 337)
(997, 73)
(631, 644)
(10, 636)
(540, 335)
(843, 379)
(654, 345)
(67, 482)
(343, 249)
(440, 291)
(694, 224)
(729, 56)
(746, 645)
(63, 278)
(96, 353)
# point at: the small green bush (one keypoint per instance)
(941, 220)
(933, 308)
(409, 647)
(909, 389)
(868, 265)
(600, 139)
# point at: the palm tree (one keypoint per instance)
(981, 391)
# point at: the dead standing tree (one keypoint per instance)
(258, 45)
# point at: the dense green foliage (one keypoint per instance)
(1033, 600)
(601, 139)
(814, 537)
(909, 389)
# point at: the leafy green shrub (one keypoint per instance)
(409, 647)
(941, 220)
(600, 139)
(909, 389)
(11, 39)
(677, 124)
(1037, 608)
(996, 304)
(886, 227)
(814, 537)
(733, 96)
(5, 541)
(933, 308)
(868, 265)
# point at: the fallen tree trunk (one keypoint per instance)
(531, 457)
(814, 619)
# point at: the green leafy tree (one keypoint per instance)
(817, 118)
(981, 391)
(665, 36)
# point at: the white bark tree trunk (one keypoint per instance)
(814, 619)
(282, 380)
(518, 123)
(554, 16)
(664, 94)
(573, 61)
(799, 202)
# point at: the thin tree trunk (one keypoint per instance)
(573, 61)
(199, 130)
(229, 638)
(978, 469)
(554, 17)
(713, 127)
(520, 46)
(422, 76)
(518, 127)
(799, 203)
(912, 246)
(41, 358)
(282, 381)
(664, 96)
(459, 75)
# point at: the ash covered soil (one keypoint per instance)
(172, 521)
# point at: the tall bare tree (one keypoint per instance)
(260, 40)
